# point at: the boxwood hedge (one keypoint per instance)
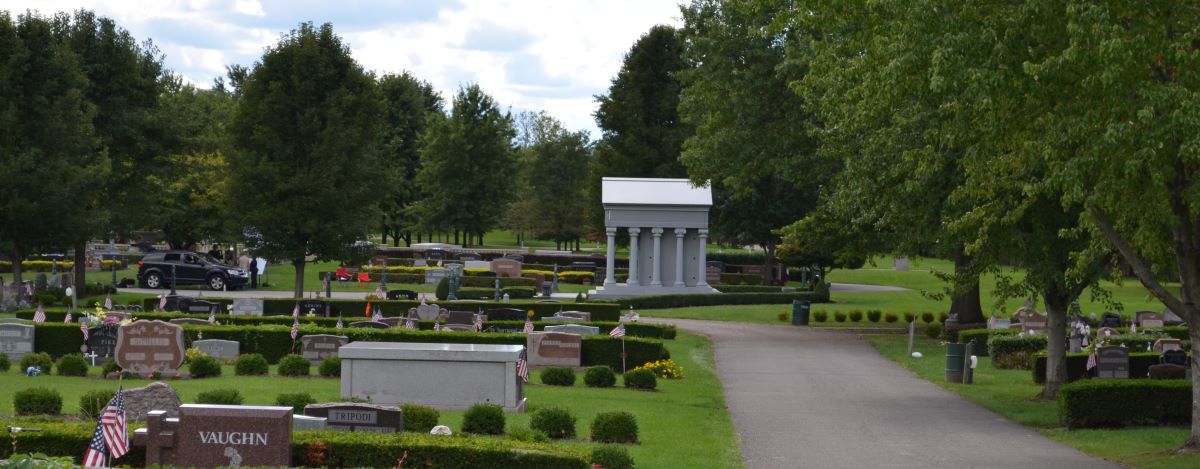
(1139, 365)
(274, 341)
(339, 449)
(1100, 403)
(684, 301)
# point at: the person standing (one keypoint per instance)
(254, 272)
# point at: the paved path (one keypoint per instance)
(809, 398)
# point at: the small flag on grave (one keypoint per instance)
(39, 315)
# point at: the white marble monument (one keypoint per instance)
(443, 376)
(667, 223)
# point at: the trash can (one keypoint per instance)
(800, 312)
(955, 354)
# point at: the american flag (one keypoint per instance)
(523, 367)
(295, 327)
(212, 316)
(410, 323)
(162, 302)
(378, 316)
(83, 327)
(437, 326)
(618, 331)
(116, 435)
(528, 326)
(1091, 363)
(68, 319)
(1133, 328)
(296, 311)
(339, 324)
(108, 302)
(97, 452)
(39, 315)
(478, 322)
(379, 293)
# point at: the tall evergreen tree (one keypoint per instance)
(467, 164)
(305, 135)
(408, 103)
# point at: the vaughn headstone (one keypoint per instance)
(219, 348)
(1112, 362)
(147, 346)
(354, 417)
(554, 349)
(16, 340)
(247, 307)
(219, 436)
(316, 347)
(574, 329)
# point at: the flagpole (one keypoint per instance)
(622, 354)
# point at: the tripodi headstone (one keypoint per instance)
(355, 417)
(444, 376)
(1112, 362)
(16, 340)
(219, 436)
(144, 347)
(574, 329)
(554, 349)
(317, 347)
(219, 348)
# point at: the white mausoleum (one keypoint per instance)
(667, 224)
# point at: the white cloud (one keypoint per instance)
(528, 54)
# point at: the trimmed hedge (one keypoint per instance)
(1003, 349)
(397, 308)
(748, 289)
(419, 418)
(340, 449)
(740, 279)
(981, 337)
(1139, 365)
(484, 419)
(684, 301)
(273, 342)
(1105, 403)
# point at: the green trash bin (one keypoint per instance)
(800, 310)
(954, 362)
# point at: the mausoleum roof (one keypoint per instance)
(650, 191)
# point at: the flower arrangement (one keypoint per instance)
(665, 369)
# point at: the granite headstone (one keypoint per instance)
(247, 307)
(219, 348)
(219, 436)
(16, 340)
(1112, 362)
(504, 267)
(574, 329)
(554, 349)
(353, 417)
(316, 347)
(144, 347)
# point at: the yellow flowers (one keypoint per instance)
(665, 369)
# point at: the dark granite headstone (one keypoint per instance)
(582, 266)
(1111, 320)
(401, 294)
(460, 317)
(468, 256)
(1112, 362)
(505, 314)
(436, 254)
(352, 417)
(219, 436)
(144, 347)
(16, 340)
(504, 329)
(192, 305)
(316, 347)
(316, 307)
(102, 341)
(1174, 357)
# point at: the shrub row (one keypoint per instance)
(684, 301)
(339, 449)
(981, 337)
(1013, 351)
(635, 329)
(741, 279)
(747, 288)
(351, 308)
(1139, 365)
(1100, 403)
(273, 342)
(489, 293)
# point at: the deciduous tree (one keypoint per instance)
(408, 103)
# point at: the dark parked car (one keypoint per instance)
(154, 271)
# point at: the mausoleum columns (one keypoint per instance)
(656, 273)
(679, 233)
(610, 271)
(702, 257)
(634, 235)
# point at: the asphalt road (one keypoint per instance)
(807, 398)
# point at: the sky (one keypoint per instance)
(530, 55)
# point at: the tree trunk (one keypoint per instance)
(383, 236)
(408, 239)
(17, 257)
(1056, 350)
(768, 276)
(80, 279)
(965, 304)
(455, 236)
(298, 289)
(481, 238)
(1193, 319)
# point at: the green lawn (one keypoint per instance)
(690, 410)
(1012, 394)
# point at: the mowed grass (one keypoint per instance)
(1013, 394)
(683, 424)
